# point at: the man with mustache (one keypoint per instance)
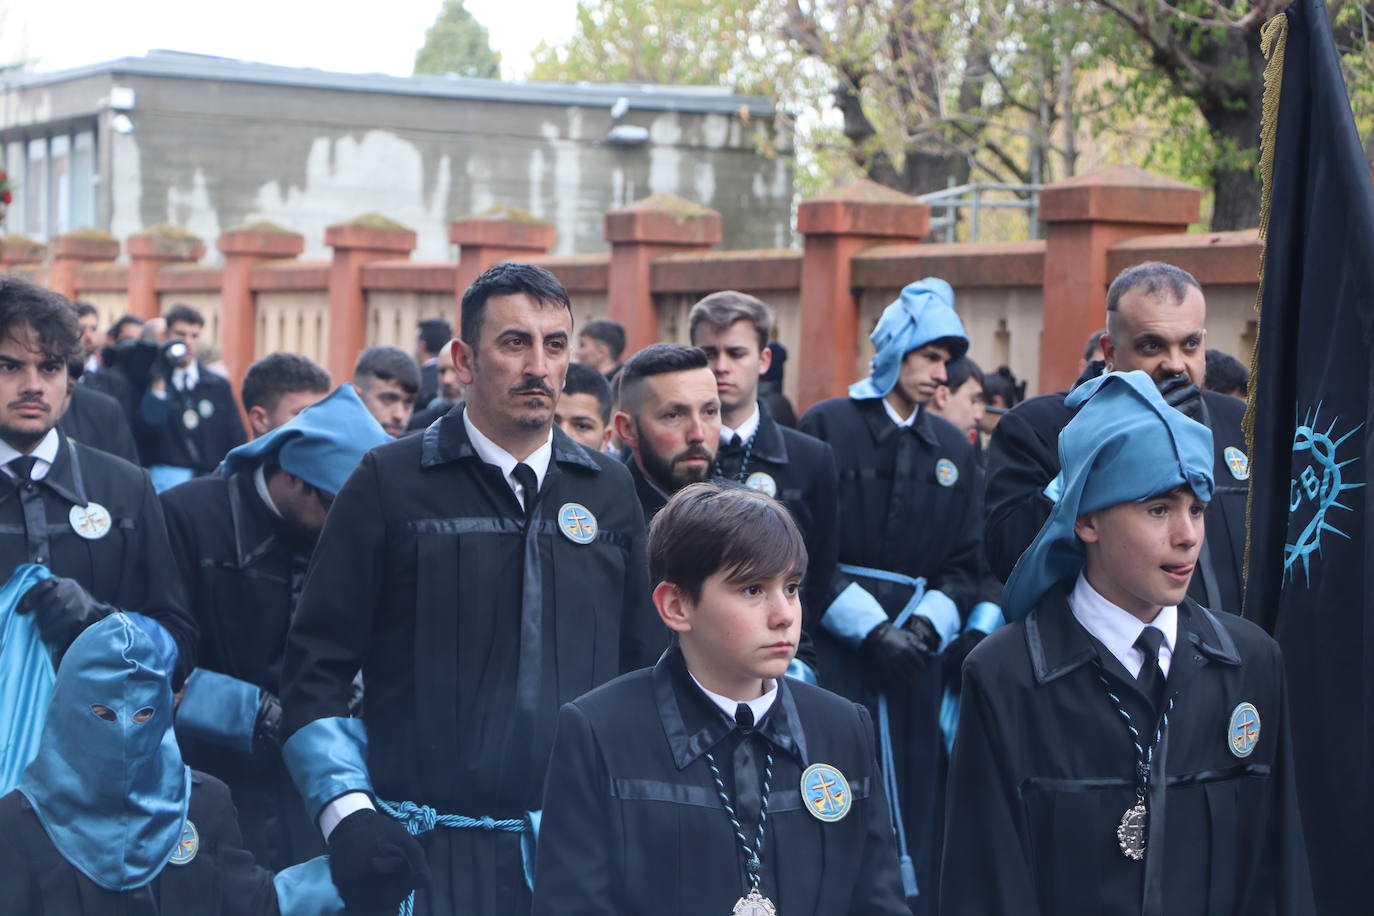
(479, 574)
(669, 419)
(89, 517)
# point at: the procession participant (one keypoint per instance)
(584, 409)
(387, 379)
(1121, 749)
(279, 386)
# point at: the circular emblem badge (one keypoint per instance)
(762, 482)
(826, 792)
(1237, 461)
(187, 846)
(190, 419)
(946, 472)
(207, 409)
(91, 521)
(1243, 733)
(577, 523)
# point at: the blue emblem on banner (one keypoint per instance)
(1315, 490)
(1238, 462)
(1243, 733)
(577, 523)
(826, 792)
(946, 472)
(187, 846)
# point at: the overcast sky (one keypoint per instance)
(359, 36)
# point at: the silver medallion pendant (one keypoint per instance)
(754, 904)
(1130, 833)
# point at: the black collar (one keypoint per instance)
(64, 477)
(257, 531)
(651, 498)
(1059, 644)
(446, 440)
(769, 444)
(880, 425)
(693, 724)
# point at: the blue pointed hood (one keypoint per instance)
(923, 313)
(1124, 444)
(321, 445)
(111, 791)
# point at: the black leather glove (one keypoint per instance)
(267, 725)
(61, 609)
(1180, 393)
(958, 650)
(374, 862)
(895, 654)
(925, 632)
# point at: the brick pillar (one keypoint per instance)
(19, 249)
(1084, 216)
(243, 248)
(497, 235)
(71, 252)
(640, 233)
(365, 239)
(836, 226)
(149, 251)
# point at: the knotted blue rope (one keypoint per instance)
(753, 858)
(418, 819)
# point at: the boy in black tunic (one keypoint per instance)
(710, 780)
(1123, 750)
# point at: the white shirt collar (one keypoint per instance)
(46, 453)
(746, 429)
(260, 481)
(1118, 630)
(758, 707)
(897, 418)
(185, 378)
(494, 454)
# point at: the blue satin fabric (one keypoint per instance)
(166, 476)
(321, 445)
(924, 312)
(328, 758)
(985, 617)
(308, 890)
(112, 796)
(1125, 444)
(218, 708)
(26, 678)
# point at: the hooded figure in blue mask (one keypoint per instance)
(1122, 749)
(107, 818)
(909, 530)
(241, 541)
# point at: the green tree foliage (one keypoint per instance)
(457, 43)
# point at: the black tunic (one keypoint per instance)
(425, 576)
(633, 822)
(129, 566)
(1023, 457)
(421, 419)
(651, 498)
(94, 418)
(1044, 768)
(164, 436)
(243, 568)
(222, 879)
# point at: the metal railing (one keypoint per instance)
(947, 204)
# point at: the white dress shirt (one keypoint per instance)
(45, 452)
(494, 454)
(1118, 629)
(898, 418)
(184, 378)
(759, 707)
(746, 429)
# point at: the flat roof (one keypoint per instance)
(180, 65)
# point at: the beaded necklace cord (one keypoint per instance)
(752, 855)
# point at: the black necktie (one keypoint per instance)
(746, 770)
(524, 475)
(736, 441)
(1151, 677)
(23, 466)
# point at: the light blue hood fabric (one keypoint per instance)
(321, 445)
(924, 312)
(26, 678)
(112, 796)
(1124, 444)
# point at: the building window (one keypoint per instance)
(54, 179)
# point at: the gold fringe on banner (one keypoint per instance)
(1273, 41)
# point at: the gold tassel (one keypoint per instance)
(1273, 41)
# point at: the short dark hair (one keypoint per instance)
(434, 333)
(48, 314)
(959, 371)
(185, 314)
(611, 333)
(1002, 384)
(388, 364)
(586, 380)
(278, 374)
(655, 359)
(85, 308)
(721, 310)
(719, 527)
(123, 322)
(1155, 277)
(1093, 344)
(1226, 374)
(508, 280)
